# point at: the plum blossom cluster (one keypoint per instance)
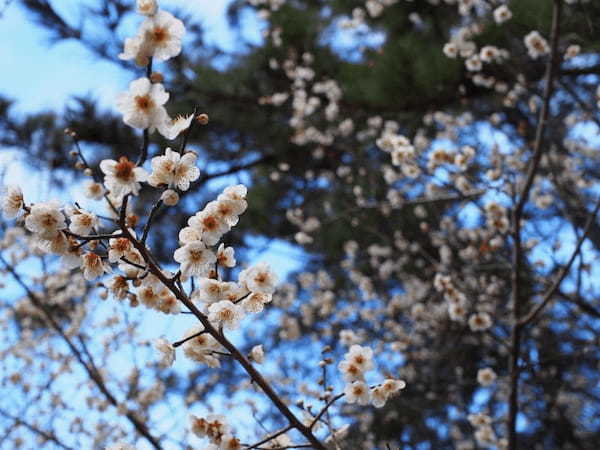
(217, 430)
(357, 362)
(159, 38)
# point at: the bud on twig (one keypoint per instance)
(202, 119)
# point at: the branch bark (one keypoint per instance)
(256, 377)
(517, 213)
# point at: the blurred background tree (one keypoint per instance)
(296, 117)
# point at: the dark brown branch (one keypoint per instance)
(271, 437)
(183, 341)
(517, 213)
(93, 237)
(256, 377)
(325, 409)
(153, 212)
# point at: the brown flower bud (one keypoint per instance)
(132, 220)
(156, 77)
(202, 119)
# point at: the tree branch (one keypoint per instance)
(256, 377)
(517, 254)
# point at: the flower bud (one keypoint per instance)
(147, 7)
(157, 77)
(202, 119)
(170, 197)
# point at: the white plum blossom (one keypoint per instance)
(208, 224)
(146, 7)
(480, 321)
(151, 292)
(142, 106)
(118, 248)
(257, 354)
(92, 265)
(361, 357)
(379, 397)
(82, 222)
(45, 219)
(211, 291)
(213, 427)
(486, 376)
(12, 202)
(228, 210)
(162, 35)
(159, 37)
(122, 177)
(93, 190)
(259, 278)
(173, 169)
(166, 350)
(536, 45)
(173, 127)
(350, 372)
(357, 392)
(58, 244)
(450, 49)
(118, 286)
(236, 193)
(195, 259)
(226, 314)
(473, 63)
(479, 419)
(201, 348)
(169, 197)
(572, 51)
(255, 302)
(120, 446)
(502, 14)
(188, 234)
(226, 256)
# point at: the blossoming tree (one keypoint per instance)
(440, 173)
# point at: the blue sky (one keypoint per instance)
(43, 76)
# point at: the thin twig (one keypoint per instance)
(155, 208)
(183, 341)
(94, 375)
(186, 133)
(271, 437)
(563, 273)
(46, 435)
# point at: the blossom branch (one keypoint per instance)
(271, 437)
(183, 341)
(517, 254)
(325, 409)
(223, 341)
